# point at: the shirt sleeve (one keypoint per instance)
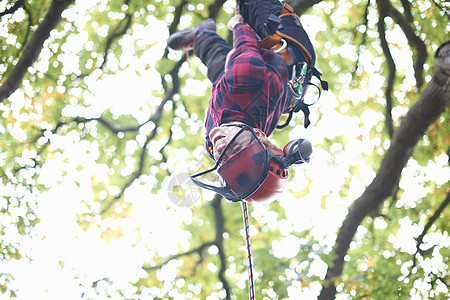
(246, 67)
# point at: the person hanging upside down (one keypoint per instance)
(250, 92)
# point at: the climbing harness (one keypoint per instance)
(298, 86)
(286, 36)
(251, 285)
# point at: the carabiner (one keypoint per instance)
(283, 46)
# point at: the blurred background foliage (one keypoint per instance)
(106, 114)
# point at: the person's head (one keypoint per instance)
(247, 164)
(222, 135)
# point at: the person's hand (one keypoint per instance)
(236, 19)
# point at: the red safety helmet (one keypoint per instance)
(254, 173)
(242, 171)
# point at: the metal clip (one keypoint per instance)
(295, 84)
(283, 46)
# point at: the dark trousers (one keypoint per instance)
(256, 13)
(212, 51)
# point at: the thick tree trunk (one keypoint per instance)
(301, 6)
(431, 104)
(33, 49)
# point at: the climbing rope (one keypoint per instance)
(251, 285)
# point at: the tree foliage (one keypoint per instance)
(97, 115)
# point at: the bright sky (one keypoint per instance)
(65, 259)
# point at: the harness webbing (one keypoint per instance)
(251, 285)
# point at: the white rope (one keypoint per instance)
(251, 285)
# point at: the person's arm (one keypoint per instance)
(245, 68)
(236, 19)
(243, 35)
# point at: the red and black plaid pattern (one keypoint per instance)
(253, 90)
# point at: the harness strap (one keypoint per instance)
(274, 41)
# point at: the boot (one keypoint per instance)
(184, 40)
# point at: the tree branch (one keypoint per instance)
(391, 69)
(177, 16)
(164, 156)
(120, 30)
(27, 34)
(218, 242)
(413, 40)
(301, 6)
(34, 47)
(363, 39)
(198, 250)
(215, 8)
(155, 119)
(407, 10)
(137, 173)
(42, 149)
(430, 222)
(431, 104)
(445, 10)
(220, 229)
(13, 9)
(433, 219)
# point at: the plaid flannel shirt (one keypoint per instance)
(253, 90)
